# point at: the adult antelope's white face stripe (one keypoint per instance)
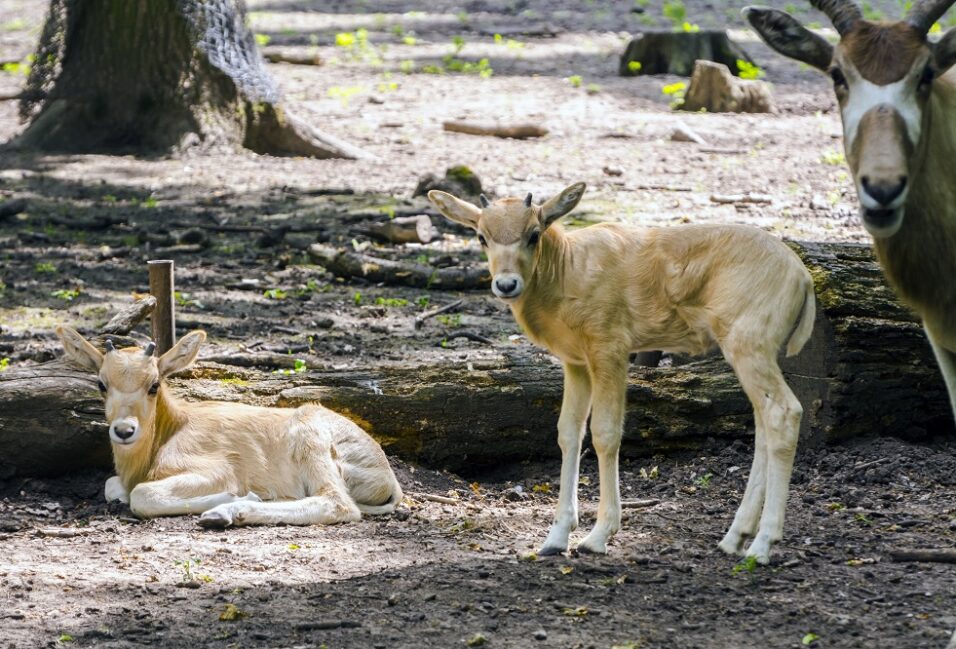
(864, 96)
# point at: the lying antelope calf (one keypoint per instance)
(312, 465)
(594, 295)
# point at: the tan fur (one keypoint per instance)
(594, 295)
(192, 457)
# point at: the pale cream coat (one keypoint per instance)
(172, 457)
(594, 295)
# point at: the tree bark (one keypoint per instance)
(116, 75)
(675, 52)
(867, 369)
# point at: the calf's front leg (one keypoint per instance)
(188, 493)
(114, 490)
(609, 381)
(571, 425)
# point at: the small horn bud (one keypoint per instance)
(483, 200)
(109, 346)
(527, 200)
(150, 348)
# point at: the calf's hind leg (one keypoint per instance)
(780, 413)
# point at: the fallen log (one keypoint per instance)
(517, 132)
(127, 319)
(405, 229)
(868, 368)
(944, 555)
(345, 263)
(293, 57)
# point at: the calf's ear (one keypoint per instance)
(455, 209)
(79, 349)
(557, 206)
(182, 354)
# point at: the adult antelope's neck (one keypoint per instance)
(933, 191)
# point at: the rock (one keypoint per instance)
(713, 88)
(459, 181)
(669, 52)
(540, 634)
(613, 171)
(684, 133)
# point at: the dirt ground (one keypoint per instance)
(75, 572)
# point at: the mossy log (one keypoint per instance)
(671, 52)
(867, 369)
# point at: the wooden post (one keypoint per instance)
(164, 315)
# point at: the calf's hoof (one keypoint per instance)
(215, 519)
(731, 544)
(760, 550)
(551, 550)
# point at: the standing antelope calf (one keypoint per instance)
(897, 96)
(312, 465)
(594, 295)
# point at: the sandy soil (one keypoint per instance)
(77, 573)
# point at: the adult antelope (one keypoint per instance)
(594, 295)
(172, 457)
(897, 96)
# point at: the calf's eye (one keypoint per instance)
(533, 239)
(101, 386)
(482, 241)
(154, 388)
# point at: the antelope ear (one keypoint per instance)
(79, 350)
(182, 353)
(784, 33)
(455, 209)
(944, 52)
(557, 206)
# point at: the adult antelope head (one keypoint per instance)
(883, 75)
(509, 230)
(130, 379)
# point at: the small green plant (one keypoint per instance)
(66, 294)
(676, 92)
(423, 301)
(357, 298)
(44, 267)
(187, 566)
(833, 157)
(275, 294)
(149, 202)
(65, 638)
(391, 301)
(4, 363)
(747, 564)
(298, 367)
(262, 39)
(862, 519)
(675, 12)
(592, 88)
(809, 639)
(634, 66)
(704, 481)
(653, 474)
(185, 300)
(450, 320)
(344, 93)
(575, 80)
(748, 70)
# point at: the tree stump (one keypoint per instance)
(158, 76)
(714, 89)
(669, 52)
(867, 369)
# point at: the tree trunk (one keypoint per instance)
(867, 369)
(675, 52)
(132, 75)
(714, 89)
